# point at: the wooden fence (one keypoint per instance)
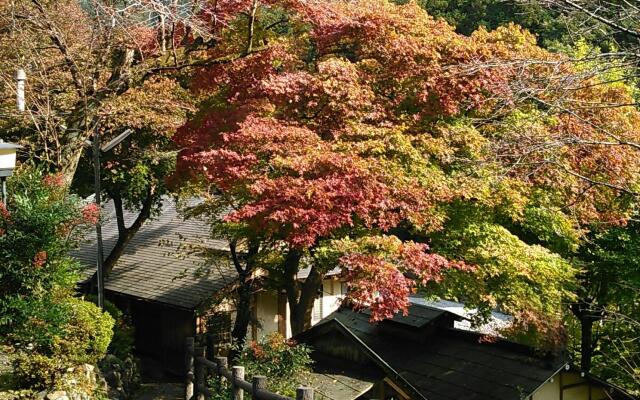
(199, 368)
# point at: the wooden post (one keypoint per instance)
(259, 383)
(200, 373)
(189, 344)
(222, 364)
(237, 374)
(304, 393)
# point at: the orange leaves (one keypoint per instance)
(274, 134)
(364, 115)
(298, 187)
(4, 213)
(40, 259)
(325, 101)
(90, 214)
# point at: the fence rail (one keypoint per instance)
(199, 367)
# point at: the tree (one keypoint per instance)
(356, 119)
(134, 172)
(617, 21)
(109, 66)
(81, 54)
(469, 15)
(610, 285)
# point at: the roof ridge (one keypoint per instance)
(368, 351)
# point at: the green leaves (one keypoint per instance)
(528, 282)
(40, 225)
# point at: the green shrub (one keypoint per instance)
(39, 226)
(51, 331)
(123, 342)
(17, 395)
(282, 361)
(37, 371)
(87, 333)
(84, 336)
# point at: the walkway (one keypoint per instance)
(160, 391)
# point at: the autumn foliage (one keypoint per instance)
(355, 119)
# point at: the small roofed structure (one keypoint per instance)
(422, 356)
(172, 293)
(157, 282)
(153, 266)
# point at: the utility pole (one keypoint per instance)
(100, 258)
(97, 148)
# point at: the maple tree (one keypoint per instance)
(356, 118)
(601, 66)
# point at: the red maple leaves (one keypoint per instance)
(383, 271)
(288, 132)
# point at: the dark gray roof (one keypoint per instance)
(442, 363)
(152, 267)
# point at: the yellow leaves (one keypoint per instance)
(526, 281)
(510, 41)
(449, 143)
(160, 105)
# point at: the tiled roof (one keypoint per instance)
(442, 363)
(152, 267)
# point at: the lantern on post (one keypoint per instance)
(7, 164)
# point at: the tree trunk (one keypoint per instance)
(300, 295)
(587, 314)
(244, 292)
(586, 342)
(243, 312)
(126, 234)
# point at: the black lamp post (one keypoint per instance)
(97, 148)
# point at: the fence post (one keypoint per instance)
(259, 383)
(189, 344)
(237, 374)
(200, 373)
(304, 393)
(222, 364)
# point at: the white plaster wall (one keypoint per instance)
(549, 391)
(267, 307)
(267, 313)
(332, 291)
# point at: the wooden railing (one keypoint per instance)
(198, 367)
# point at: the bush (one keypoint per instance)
(37, 371)
(39, 226)
(85, 333)
(18, 395)
(282, 361)
(122, 343)
(88, 333)
(51, 331)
